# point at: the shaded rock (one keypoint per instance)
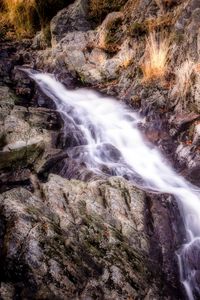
(165, 224)
(25, 137)
(22, 85)
(7, 101)
(40, 40)
(196, 138)
(193, 175)
(6, 291)
(21, 153)
(73, 18)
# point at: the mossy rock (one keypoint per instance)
(114, 35)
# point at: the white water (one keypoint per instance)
(103, 122)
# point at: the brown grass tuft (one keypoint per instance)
(19, 14)
(156, 57)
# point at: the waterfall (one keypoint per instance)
(112, 141)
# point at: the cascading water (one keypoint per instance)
(113, 141)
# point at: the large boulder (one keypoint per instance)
(72, 18)
(78, 240)
(26, 136)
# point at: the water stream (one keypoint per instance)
(113, 141)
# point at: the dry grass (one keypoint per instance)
(165, 3)
(98, 9)
(183, 80)
(165, 20)
(28, 16)
(156, 57)
(19, 14)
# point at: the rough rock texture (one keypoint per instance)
(26, 136)
(71, 18)
(80, 240)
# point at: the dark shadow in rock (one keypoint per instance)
(193, 175)
(166, 230)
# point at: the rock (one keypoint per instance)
(21, 153)
(72, 18)
(165, 224)
(6, 96)
(81, 239)
(7, 100)
(25, 137)
(185, 155)
(17, 126)
(193, 175)
(196, 139)
(40, 42)
(23, 85)
(99, 239)
(6, 291)
(13, 53)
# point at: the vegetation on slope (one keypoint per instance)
(28, 16)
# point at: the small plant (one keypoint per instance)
(98, 9)
(166, 3)
(156, 57)
(160, 23)
(137, 29)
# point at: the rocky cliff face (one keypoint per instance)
(64, 231)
